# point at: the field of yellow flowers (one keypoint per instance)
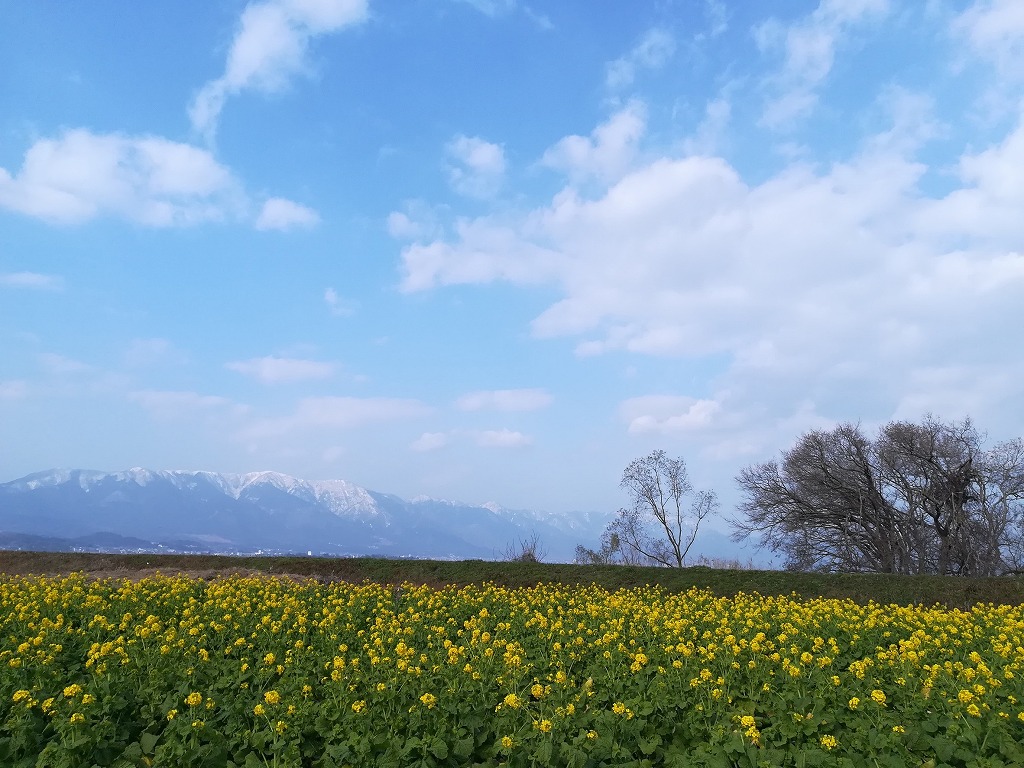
(270, 672)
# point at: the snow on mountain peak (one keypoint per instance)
(139, 475)
(282, 482)
(344, 497)
(246, 511)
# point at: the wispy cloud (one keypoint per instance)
(505, 400)
(426, 265)
(336, 413)
(81, 175)
(653, 51)
(496, 9)
(155, 351)
(502, 438)
(708, 136)
(337, 305)
(13, 389)
(279, 370)
(808, 47)
(607, 154)
(717, 14)
(667, 414)
(430, 441)
(995, 31)
(61, 365)
(492, 8)
(269, 48)
(172, 403)
(418, 221)
(33, 280)
(476, 167)
(282, 215)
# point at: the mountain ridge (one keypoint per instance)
(271, 511)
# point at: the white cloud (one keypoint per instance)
(171, 403)
(652, 52)
(402, 227)
(492, 8)
(607, 153)
(667, 414)
(430, 441)
(988, 204)
(505, 400)
(278, 370)
(418, 221)
(81, 175)
(155, 351)
(708, 136)
(13, 389)
(717, 15)
(487, 250)
(809, 49)
(269, 48)
(33, 280)
(280, 214)
(61, 365)
(337, 305)
(479, 166)
(995, 31)
(914, 123)
(336, 413)
(502, 438)
(818, 287)
(498, 8)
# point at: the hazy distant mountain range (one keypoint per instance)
(185, 511)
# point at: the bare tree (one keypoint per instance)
(659, 527)
(528, 550)
(918, 498)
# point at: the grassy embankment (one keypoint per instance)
(927, 590)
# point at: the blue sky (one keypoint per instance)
(487, 250)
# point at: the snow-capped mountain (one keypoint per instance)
(270, 511)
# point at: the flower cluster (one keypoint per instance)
(271, 670)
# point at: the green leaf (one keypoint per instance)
(439, 749)
(544, 752)
(148, 742)
(649, 745)
(463, 747)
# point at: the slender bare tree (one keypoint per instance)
(659, 526)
